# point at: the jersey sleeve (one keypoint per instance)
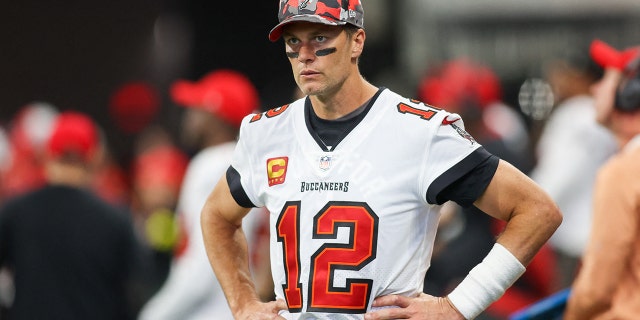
(477, 170)
(237, 191)
(240, 173)
(457, 167)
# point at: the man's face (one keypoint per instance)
(194, 122)
(604, 95)
(321, 56)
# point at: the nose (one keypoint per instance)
(306, 54)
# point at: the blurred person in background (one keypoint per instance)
(607, 285)
(215, 106)
(110, 179)
(70, 253)
(571, 148)
(157, 172)
(133, 106)
(28, 132)
(465, 234)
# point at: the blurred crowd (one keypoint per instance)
(154, 187)
(160, 190)
(554, 149)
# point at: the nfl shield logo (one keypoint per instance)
(325, 163)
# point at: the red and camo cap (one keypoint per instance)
(608, 57)
(330, 12)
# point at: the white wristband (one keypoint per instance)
(486, 282)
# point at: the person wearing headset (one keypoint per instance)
(607, 285)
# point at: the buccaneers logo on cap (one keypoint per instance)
(303, 4)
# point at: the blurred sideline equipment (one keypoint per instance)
(550, 308)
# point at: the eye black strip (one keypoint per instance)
(325, 52)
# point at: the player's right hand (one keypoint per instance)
(262, 311)
(422, 307)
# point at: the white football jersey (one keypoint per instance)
(359, 221)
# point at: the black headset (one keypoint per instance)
(628, 93)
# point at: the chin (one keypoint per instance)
(309, 91)
(313, 90)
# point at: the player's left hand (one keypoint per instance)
(422, 307)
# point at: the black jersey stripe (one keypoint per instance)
(465, 181)
(237, 191)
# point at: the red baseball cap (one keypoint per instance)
(133, 106)
(161, 166)
(460, 81)
(227, 94)
(330, 12)
(73, 133)
(608, 57)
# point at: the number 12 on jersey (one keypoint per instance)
(323, 296)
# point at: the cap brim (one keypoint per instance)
(276, 32)
(608, 57)
(185, 93)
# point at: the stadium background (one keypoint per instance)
(75, 54)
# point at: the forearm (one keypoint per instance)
(504, 264)
(526, 232)
(593, 289)
(595, 285)
(582, 305)
(608, 254)
(227, 251)
(531, 217)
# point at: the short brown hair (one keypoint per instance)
(350, 30)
